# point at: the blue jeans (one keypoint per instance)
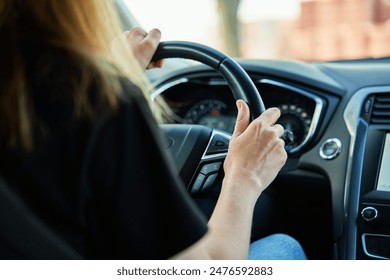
(276, 247)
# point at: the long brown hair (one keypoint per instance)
(85, 31)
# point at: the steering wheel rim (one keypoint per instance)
(238, 80)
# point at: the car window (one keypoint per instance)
(309, 30)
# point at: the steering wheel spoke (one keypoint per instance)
(210, 165)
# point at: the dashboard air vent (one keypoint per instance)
(381, 109)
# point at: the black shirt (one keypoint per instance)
(107, 187)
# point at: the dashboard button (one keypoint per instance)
(369, 214)
(330, 149)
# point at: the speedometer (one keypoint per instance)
(211, 113)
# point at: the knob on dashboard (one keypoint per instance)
(330, 149)
(370, 214)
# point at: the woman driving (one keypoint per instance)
(80, 145)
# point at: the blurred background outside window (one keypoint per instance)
(309, 30)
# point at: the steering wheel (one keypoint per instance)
(238, 80)
(198, 150)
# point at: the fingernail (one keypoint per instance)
(239, 105)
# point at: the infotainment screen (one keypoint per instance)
(384, 173)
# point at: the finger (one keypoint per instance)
(156, 64)
(150, 43)
(154, 35)
(136, 35)
(279, 129)
(243, 118)
(270, 116)
(144, 45)
(283, 142)
(159, 63)
(137, 32)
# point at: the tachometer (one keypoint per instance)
(211, 113)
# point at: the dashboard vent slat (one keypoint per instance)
(382, 106)
(383, 98)
(381, 109)
(381, 113)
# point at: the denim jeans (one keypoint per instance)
(276, 247)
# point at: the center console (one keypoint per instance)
(373, 187)
(373, 222)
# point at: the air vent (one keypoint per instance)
(381, 109)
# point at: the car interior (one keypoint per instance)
(332, 195)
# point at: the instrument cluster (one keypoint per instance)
(212, 105)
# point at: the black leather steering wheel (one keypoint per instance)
(198, 150)
(238, 80)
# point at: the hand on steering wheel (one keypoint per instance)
(256, 149)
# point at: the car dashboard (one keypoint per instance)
(326, 196)
(210, 103)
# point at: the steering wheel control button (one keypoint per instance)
(209, 181)
(210, 168)
(369, 214)
(330, 149)
(198, 184)
(219, 144)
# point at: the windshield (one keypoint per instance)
(309, 30)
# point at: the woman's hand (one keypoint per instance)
(256, 151)
(144, 45)
(256, 155)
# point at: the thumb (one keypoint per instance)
(243, 116)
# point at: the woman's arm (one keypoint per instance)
(256, 154)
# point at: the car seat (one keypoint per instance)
(23, 235)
